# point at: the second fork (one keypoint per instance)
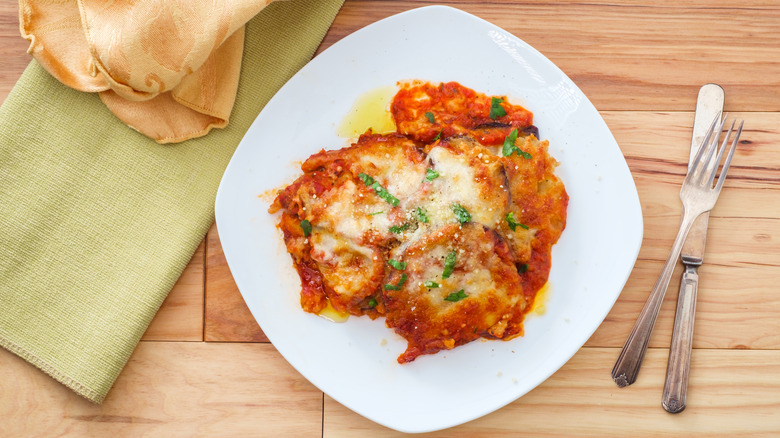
(698, 196)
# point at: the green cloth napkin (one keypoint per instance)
(98, 221)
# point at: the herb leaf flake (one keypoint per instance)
(397, 286)
(400, 266)
(456, 296)
(306, 227)
(398, 229)
(382, 192)
(510, 147)
(461, 213)
(422, 215)
(449, 264)
(509, 143)
(496, 110)
(513, 224)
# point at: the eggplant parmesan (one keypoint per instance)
(444, 227)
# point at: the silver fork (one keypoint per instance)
(698, 196)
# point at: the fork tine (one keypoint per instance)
(713, 169)
(707, 161)
(707, 149)
(727, 163)
(695, 167)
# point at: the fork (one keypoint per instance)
(698, 195)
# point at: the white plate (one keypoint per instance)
(355, 362)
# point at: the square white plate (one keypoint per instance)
(355, 362)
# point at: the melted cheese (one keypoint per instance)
(342, 262)
(353, 212)
(458, 184)
(393, 170)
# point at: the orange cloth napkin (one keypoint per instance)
(167, 68)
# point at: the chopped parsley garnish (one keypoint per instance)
(456, 296)
(513, 224)
(496, 110)
(398, 286)
(367, 180)
(375, 213)
(438, 136)
(421, 214)
(509, 143)
(380, 191)
(429, 116)
(431, 174)
(522, 268)
(510, 148)
(384, 194)
(396, 264)
(431, 284)
(306, 227)
(449, 264)
(372, 302)
(398, 229)
(461, 213)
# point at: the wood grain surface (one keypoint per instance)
(227, 317)
(169, 389)
(205, 368)
(579, 400)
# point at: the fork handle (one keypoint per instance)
(676, 386)
(627, 365)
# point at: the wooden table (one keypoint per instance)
(205, 368)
